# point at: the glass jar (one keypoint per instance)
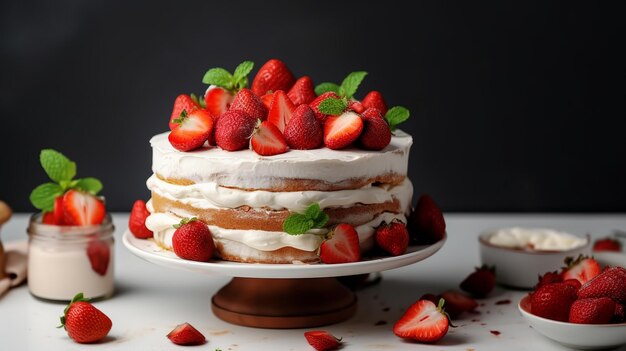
(66, 260)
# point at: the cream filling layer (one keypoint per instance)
(211, 195)
(161, 224)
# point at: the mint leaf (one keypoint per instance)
(57, 166)
(321, 220)
(297, 223)
(396, 115)
(241, 73)
(351, 83)
(332, 106)
(326, 87)
(42, 197)
(313, 210)
(219, 77)
(89, 184)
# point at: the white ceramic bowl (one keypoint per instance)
(578, 336)
(519, 268)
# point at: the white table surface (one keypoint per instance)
(150, 300)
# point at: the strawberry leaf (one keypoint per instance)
(332, 106)
(326, 87)
(297, 223)
(219, 77)
(396, 115)
(89, 184)
(57, 166)
(198, 101)
(351, 83)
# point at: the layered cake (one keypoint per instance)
(356, 172)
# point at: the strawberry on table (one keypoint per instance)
(393, 238)
(374, 99)
(302, 91)
(426, 221)
(322, 340)
(480, 282)
(595, 310)
(583, 269)
(81, 208)
(341, 131)
(251, 104)
(137, 220)
(186, 334)
(610, 283)
(99, 255)
(233, 130)
(303, 131)
(376, 133)
(192, 240)
(83, 322)
(423, 321)
(273, 75)
(281, 110)
(607, 244)
(192, 131)
(457, 302)
(553, 301)
(183, 102)
(342, 245)
(267, 140)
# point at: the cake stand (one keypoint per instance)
(281, 296)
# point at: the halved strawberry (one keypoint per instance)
(341, 131)
(48, 218)
(281, 110)
(457, 302)
(251, 104)
(137, 220)
(267, 140)
(233, 130)
(322, 340)
(267, 99)
(423, 321)
(58, 211)
(315, 105)
(583, 269)
(342, 246)
(81, 208)
(192, 131)
(376, 132)
(99, 256)
(183, 102)
(186, 334)
(273, 75)
(374, 99)
(302, 91)
(217, 100)
(303, 132)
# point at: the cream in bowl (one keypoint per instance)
(520, 254)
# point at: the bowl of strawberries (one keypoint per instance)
(584, 310)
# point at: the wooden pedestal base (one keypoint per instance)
(284, 303)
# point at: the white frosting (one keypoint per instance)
(535, 239)
(161, 224)
(246, 169)
(211, 195)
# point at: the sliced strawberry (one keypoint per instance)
(281, 110)
(217, 100)
(583, 269)
(273, 75)
(192, 131)
(607, 244)
(376, 132)
(137, 220)
(267, 100)
(182, 103)
(81, 208)
(342, 246)
(303, 132)
(374, 99)
(322, 340)
(251, 104)
(315, 105)
(234, 129)
(267, 140)
(99, 256)
(186, 334)
(58, 211)
(48, 218)
(341, 131)
(457, 302)
(302, 91)
(393, 238)
(423, 321)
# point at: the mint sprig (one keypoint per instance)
(396, 115)
(61, 171)
(234, 82)
(332, 106)
(348, 86)
(298, 223)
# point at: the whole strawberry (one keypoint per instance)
(84, 322)
(553, 301)
(137, 220)
(393, 238)
(610, 283)
(303, 131)
(234, 129)
(595, 310)
(607, 244)
(251, 104)
(374, 99)
(480, 282)
(322, 340)
(302, 91)
(427, 224)
(273, 75)
(548, 278)
(193, 241)
(376, 134)
(457, 302)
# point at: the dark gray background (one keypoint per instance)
(515, 106)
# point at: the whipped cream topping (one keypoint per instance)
(246, 169)
(211, 195)
(535, 239)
